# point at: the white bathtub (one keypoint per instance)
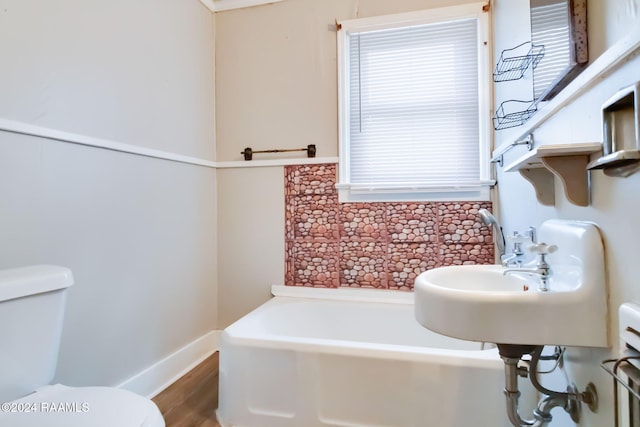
(309, 361)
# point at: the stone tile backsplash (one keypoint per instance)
(373, 245)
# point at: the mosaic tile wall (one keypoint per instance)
(373, 245)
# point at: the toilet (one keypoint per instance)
(32, 301)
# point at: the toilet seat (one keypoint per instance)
(62, 406)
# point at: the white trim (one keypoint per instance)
(426, 16)
(606, 63)
(162, 374)
(209, 4)
(275, 162)
(485, 94)
(408, 187)
(344, 294)
(483, 194)
(222, 5)
(21, 128)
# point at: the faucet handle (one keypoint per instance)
(542, 248)
(517, 238)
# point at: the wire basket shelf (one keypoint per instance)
(513, 113)
(514, 62)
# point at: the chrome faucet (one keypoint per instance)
(542, 269)
(516, 257)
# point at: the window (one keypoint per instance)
(414, 106)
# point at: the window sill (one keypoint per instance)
(348, 193)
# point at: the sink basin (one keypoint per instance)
(480, 303)
(475, 278)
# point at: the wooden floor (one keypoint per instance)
(193, 399)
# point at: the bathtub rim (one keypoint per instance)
(391, 296)
(241, 334)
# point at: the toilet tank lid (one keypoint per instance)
(31, 280)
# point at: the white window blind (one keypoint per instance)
(550, 28)
(413, 108)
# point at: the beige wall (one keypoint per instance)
(250, 239)
(276, 87)
(137, 232)
(276, 76)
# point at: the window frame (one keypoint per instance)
(349, 192)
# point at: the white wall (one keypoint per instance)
(135, 72)
(614, 201)
(137, 232)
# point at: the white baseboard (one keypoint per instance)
(165, 372)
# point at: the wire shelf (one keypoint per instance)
(513, 113)
(514, 62)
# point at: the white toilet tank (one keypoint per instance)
(31, 312)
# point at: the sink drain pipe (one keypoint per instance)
(570, 400)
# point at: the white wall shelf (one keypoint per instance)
(275, 162)
(567, 162)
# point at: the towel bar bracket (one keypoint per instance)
(528, 141)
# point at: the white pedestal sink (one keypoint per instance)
(480, 303)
